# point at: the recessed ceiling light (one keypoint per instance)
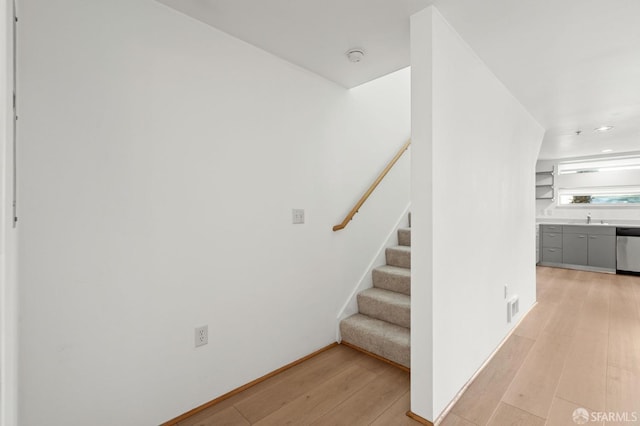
(607, 150)
(355, 55)
(603, 128)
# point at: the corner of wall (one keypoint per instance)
(8, 240)
(422, 391)
(471, 138)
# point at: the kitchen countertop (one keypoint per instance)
(583, 222)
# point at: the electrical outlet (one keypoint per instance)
(298, 216)
(202, 335)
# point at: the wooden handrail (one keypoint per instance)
(373, 186)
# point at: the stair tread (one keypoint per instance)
(387, 296)
(399, 256)
(385, 305)
(392, 278)
(378, 327)
(394, 270)
(404, 237)
(400, 248)
(382, 338)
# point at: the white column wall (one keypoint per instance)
(422, 187)
(8, 235)
(475, 150)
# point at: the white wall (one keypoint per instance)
(422, 224)
(548, 210)
(473, 163)
(160, 160)
(8, 241)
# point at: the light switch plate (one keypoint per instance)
(298, 216)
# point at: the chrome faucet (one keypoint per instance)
(588, 218)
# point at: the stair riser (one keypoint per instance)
(394, 314)
(392, 350)
(404, 237)
(398, 258)
(393, 282)
(382, 325)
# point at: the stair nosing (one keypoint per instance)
(383, 291)
(399, 270)
(388, 324)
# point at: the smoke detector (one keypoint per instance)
(355, 55)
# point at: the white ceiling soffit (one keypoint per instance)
(574, 64)
(317, 34)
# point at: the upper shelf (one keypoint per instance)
(545, 181)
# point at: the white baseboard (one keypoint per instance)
(482, 367)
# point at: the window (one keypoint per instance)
(612, 181)
(596, 196)
(601, 165)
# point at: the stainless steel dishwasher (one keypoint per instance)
(628, 251)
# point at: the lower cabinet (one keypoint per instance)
(550, 244)
(575, 249)
(577, 245)
(602, 251)
(552, 254)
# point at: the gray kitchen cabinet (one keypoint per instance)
(551, 244)
(551, 255)
(551, 228)
(552, 239)
(581, 229)
(590, 247)
(574, 249)
(602, 251)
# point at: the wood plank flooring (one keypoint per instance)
(579, 347)
(340, 386)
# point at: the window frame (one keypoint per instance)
(621, 164)
(599, 165)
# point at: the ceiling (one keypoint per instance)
(316, 34)
(574, 64)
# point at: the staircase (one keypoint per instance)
(382, 324)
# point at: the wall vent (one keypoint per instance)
(513, 307)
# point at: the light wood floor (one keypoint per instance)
(579, 347)
(340, 386)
